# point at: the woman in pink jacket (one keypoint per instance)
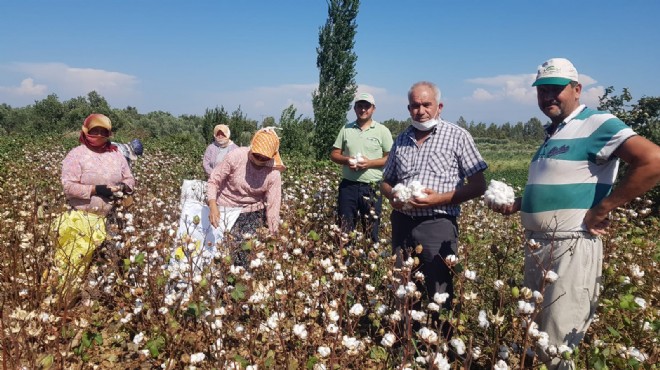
(94, 170)
(92, 175)
(247, 182)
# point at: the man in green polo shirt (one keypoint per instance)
(361, 148)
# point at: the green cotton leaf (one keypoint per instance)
(127, 264)
(613, 331)
(311, 362)
(239, 292)
(193, 310)
(470, 239)
(313, 235)
(378, 353)
(600, 365)
(98, 338)
(139, 259)
(241, 360)
(46, 362)
(270, 359)
(155, 345)
(86, 340)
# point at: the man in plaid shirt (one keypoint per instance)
(443, 158)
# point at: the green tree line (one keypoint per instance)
(51, 116)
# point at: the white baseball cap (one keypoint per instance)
(365, 97)
(556, 71)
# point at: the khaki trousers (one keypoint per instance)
(569, 303)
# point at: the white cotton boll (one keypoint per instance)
(417, 189)
(402, 193)
(323, 351)
(350, 342)
(388, 340)
(300, 331)
(483, 319)
(440, 298)
(352, 161)
(359, 157)
(356, 310)
(197, 357)
(138, 338)
(641, 302)
(551, 276)
(332, 328)
(428, 335)
(458, 345)
(499, 194)
(417, 315)
(501, 365)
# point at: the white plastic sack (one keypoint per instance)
(195, 245)
(196, 238)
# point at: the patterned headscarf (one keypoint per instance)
(220, 140)
(97, 143)
(224, 128)
(267, 143)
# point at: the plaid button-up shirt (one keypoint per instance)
(440, 163)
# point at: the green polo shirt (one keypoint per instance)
(373, 143)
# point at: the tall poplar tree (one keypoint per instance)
(336, 63)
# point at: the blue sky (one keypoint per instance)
(185, 56)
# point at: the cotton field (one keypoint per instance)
(307, 298)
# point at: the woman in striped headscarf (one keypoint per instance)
(247, 183)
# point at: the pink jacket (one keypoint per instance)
(82, 169)
(236, 182)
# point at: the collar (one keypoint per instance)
(549, 131)
(354, 124)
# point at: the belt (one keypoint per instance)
(434, 216)
(351, 182)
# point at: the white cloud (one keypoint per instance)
(591, 96)
(26, 88)
(482, 94)
(67, 82)
(518, 89)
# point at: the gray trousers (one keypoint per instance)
(569, 303)
(438, 236)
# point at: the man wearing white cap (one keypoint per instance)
(568, 198)
(361, 148)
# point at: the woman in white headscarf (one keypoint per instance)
(217, 150)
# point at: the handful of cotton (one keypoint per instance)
(357, 159)
(403, 193)
(499, 194)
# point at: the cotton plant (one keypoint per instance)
(499, 194)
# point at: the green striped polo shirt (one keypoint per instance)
(572, 171)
